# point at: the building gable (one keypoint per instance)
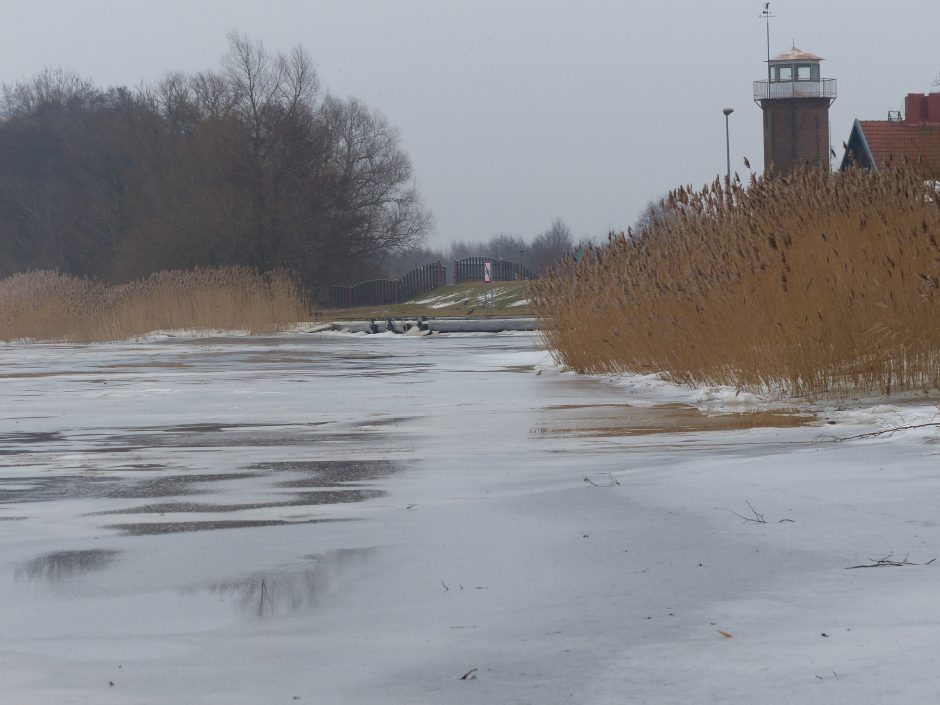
(877, 144)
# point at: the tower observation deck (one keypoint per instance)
(795, 101)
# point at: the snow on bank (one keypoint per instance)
(651, 390)
(468, 297)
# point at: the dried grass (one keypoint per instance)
(48, 306)
(811, 285)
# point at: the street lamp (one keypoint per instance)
(727, 112)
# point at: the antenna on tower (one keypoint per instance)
(766, 14)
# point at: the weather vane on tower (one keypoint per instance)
(766, 14)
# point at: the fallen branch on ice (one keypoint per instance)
(612, 482)
(887, 562)
(883, 432)
(758, 518)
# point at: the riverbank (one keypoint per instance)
(466, 300)
(426, 326)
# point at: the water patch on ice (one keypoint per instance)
(26, 437)
(180, 527)
(296, 499)
(248, 437)
(327, 473)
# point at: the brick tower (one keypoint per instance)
(795, 102)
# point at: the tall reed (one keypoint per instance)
(44, 305)
(814, 284)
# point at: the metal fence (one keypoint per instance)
(769, 90)
(381, 292)
(470, 269)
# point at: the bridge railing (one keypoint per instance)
(470, 269)
(382, 292)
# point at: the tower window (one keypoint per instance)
(803, 72)
(784, 73)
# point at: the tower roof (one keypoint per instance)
(795, 54)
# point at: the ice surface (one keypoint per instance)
(358, 519)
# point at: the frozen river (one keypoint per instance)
(351, 519)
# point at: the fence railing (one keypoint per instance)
(769, 90)
(381, 292)
(470, 269)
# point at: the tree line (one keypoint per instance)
(539, 254)
(251, 164)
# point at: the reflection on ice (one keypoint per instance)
(288, 590)
(55, 568)
(596, 420)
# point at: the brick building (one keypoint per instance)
(915, 139)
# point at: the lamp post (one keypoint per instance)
(727, 112)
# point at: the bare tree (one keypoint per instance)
(655, 215)
(301, 85)
(50, 87)
(505, 246)
(248, 165)
(550, 246)
(373, 201)
(396, 264)
(254, 77)
(213, 94)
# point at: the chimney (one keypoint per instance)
(915, 108)
(933, 108)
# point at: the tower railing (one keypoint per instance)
(768, 90)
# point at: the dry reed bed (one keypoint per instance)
(816, 284)
(46, 306)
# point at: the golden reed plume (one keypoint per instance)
(813, 284)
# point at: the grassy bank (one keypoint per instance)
(820, 283)
(466, 299)
(52, 307)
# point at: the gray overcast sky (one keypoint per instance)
(514, 111)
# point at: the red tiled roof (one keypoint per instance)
(893, 142)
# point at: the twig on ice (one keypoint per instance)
(887, 562)
(758, 518)
(884, 432)
(611, 483)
